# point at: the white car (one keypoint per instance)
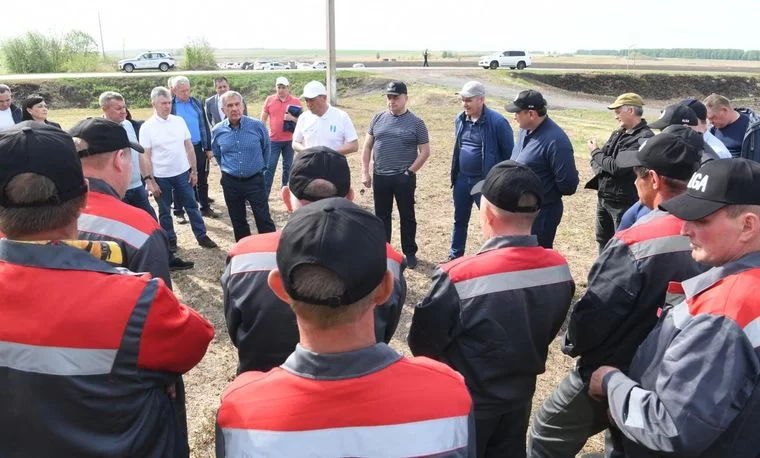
(303, 66)
(359, 65)
(260, 64)
(511, 59)
(278, 66)
(149, 60)
(319, 65)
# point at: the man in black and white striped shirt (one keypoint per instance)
(401, 147)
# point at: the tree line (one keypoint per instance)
(683, 53)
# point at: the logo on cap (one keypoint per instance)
(698, 182)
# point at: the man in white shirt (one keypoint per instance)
(703, 128)
(10, 114)
(170, 165)
(323, 124)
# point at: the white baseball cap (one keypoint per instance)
(313, 89)
(282, 80)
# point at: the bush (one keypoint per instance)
(38, 53)
(199, 55)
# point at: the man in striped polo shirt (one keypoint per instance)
(492, 316)
(340, 393)
(626, 287)
(401, 146)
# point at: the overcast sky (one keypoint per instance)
(456, 25)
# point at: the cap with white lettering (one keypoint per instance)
(715, 185)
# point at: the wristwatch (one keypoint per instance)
(148, 177)
(409, 173)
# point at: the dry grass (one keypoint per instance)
(437, 106)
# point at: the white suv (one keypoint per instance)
(511, 59)
(149, 60)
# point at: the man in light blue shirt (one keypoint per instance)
(241, 147)
(192, 111)
(700, 110)
(115, 109)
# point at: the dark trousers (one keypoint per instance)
(503, 435)
(138, 197)
(277, 148)
(401, 187)
(238, 191)
(179, 186)
(201, 188)
(566, 419)
(608, 215)
(546, 223)
(463, 201)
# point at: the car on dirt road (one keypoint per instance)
(512, 59)
(319, 65)
(148, 61)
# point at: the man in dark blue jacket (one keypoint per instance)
(492, 316)
(483, 139)
(543, 146)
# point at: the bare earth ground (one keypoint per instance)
(437, 105)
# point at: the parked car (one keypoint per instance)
(260, 64)
(277, 66)
(511, 59)
(359, 65)
(148, 61)
(304, 66)
(319, 65)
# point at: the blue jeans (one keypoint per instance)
(180, 184)
(138, 197)
(462, 209)
(546, 223)
(286, 148)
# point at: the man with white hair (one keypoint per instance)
(10, 114)
(323, 124)
(171, 167)
(241, 146)
(191, 110)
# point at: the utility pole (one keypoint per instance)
(102, 45)
(332, 79)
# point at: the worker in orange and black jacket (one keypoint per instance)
(263, 327)
(89, 353)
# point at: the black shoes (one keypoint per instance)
(206, 242)
(209, 213)
(173, 246)
(411, 261)
(180, 218)
(178, 264)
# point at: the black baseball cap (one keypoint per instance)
(319, 162)
(395, 88)
(339, 236)
(667, 154)
(676, 114)
(33, 147)
(506, 183)
(715, 185)
(526, 100)
(99, 135)
(695, 139)
(697, 107)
